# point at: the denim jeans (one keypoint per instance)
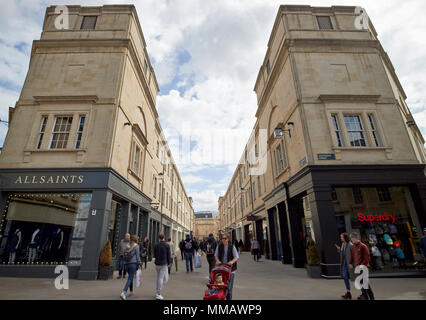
(188, 260)
(230, 286)
(162, 274)
(131, 269)
(121, 267)
(346, 277)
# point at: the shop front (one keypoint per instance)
(65, 217)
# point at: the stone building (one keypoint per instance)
(334, 137)
(85, 159)
(206, 223)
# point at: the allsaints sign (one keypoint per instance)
(58, 179)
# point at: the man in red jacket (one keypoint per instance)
(360, 256)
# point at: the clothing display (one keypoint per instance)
(388, 239)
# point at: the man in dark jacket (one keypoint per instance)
(182, 248)
(163, 258)
(189, 248)
(209, 248)
(360, 256)
(226, 253)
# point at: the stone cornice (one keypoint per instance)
(66, 99)
(349, 97)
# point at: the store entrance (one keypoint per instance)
(273, 234)
(285, 234)
(297, 216)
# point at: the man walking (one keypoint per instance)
(189, 248)
(255, 248)
(182, 248)
(226, 253)
(360, 256)
(121, 267)
(209, 248)
(345, 251)
(163, 259)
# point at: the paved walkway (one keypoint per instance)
(254, 281)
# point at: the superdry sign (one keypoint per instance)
(376, 217)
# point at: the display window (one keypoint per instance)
(386, 219)
(44, 228)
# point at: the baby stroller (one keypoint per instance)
(226, 272)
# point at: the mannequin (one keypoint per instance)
(33, 246)
(14, 243)
(56, 244)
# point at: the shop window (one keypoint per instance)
(41, 132)
(40, 228)
(89, 23)
(324, 22)
(114, 226)
(356, 191)
(388, 226)
(384, 194)
(355, 131)
(61, 132)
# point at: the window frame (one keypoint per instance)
(41, 132)
(67, 133)
(94, 24)
(361, 131)
(337, 130)
(318, 18)
(374, 131)
(79, 136)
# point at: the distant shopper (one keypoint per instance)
(255, 247)
(121, 267)
(189, 248)
(423, 244)
(145, 251)
(163, 259)
(241, 245)
(360, 255)
(132, 260)
(226, 253)
(172, 253)
(345, 251)
(182, 248)
(210, 248)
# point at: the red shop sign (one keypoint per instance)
(376, 217)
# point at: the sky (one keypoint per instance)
(206, 56)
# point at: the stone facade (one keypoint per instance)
(332, 93)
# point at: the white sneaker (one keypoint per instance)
(159, 297)
(123, 296)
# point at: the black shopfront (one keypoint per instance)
(323, 201)
(53, 217)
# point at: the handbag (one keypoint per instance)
(197, 260)
(138, 278)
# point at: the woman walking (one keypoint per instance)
(132, 261)
(144, 251)
(172, 253)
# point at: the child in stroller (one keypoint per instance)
(220, 276)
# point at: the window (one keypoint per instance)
(41, 133)
(324, 22)
(355, 131)
(158, 149)
(374, 131)
(145, 66)
(306, 204)
(61, 132)
(80, 131)
(136, 159)
(254, 190)
(356, 191)
(159, 192)
(337, 130)
(259, 186)
(280, 159)
(155, 187)
(89, 23)
(268, 67)
(384, 194)
(256, 151)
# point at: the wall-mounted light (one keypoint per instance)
(410, 123)
(127, 124)
(279, 131)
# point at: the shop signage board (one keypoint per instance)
(326, 156)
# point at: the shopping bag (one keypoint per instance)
(138, 278)
(197, 260)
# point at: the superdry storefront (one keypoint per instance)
(52, 217)
(385, 204)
